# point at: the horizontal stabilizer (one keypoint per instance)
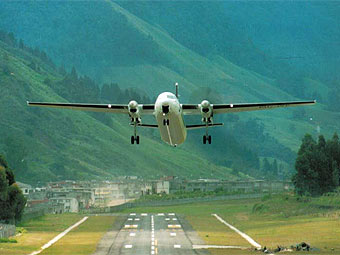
(203, 126)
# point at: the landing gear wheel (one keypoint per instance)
(132, 139)
(137, 139)
(204, 139)
(166, 122)
(209, 139)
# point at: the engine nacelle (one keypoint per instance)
(134, 110)
(206, 110)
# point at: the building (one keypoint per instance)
(70, 204)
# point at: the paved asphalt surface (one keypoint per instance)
(145, 234)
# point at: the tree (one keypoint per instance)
(3, 185)
(12, 201)
(304, 178)
(266, 166)
(275, 168)
(335, 174)
(3, 161)
(317, 166)
(74, 74)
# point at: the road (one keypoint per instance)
(146, 234)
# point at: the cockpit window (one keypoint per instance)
(171, 97)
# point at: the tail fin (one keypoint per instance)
(176, 86)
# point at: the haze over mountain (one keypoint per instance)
(205, 46)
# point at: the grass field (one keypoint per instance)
(41, 230)
(279, 220)
(274, 220)
(84, 239)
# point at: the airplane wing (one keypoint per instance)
(194, 109)
(111, 108)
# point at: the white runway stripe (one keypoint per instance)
(58, 237)
(245, 236)
(197, 246)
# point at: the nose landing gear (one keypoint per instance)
(206, 137)
(135, 137)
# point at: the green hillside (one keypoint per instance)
(66, 144)
(116, 43)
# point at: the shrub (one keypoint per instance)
(7, 240)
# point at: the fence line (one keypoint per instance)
(118, 208)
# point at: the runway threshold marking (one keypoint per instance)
(58, 237)
(245, 236)
(128, 246)
(174, 226)
(130, 226)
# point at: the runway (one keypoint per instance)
(146, 234)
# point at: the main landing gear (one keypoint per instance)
(206, 137)
(135, 137)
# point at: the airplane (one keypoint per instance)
(169, 113)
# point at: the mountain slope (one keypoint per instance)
(113, 44)
(72, 144)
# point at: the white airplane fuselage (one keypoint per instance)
(169, 117)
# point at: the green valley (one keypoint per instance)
(119, 43)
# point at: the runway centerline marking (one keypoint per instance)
(245, 236)
(153, 241)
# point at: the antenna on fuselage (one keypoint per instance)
(176, 86)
